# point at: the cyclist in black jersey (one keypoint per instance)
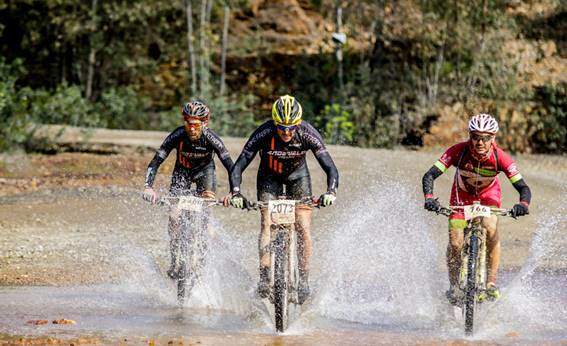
(283, 143)
(196, 145)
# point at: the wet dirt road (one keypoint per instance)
(91, 251)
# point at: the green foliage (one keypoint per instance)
(125, 64)
(232, 116)
(550, 119)
(337, 124)
(122, 108)
(65, 105)
(14, 123)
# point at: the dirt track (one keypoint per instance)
(64, 217)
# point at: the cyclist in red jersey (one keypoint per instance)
(478, 162)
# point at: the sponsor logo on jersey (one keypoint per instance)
(285, 154)
(513, 169)
(194, 155)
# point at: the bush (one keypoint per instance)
(122, 108)
(336, 124)
(64, 106)
(14, 122)
(550, 119)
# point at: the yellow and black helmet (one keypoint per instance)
(286, 111)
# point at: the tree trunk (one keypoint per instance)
(92, 54)
(202, 50)
(192, 67)
(224, 48)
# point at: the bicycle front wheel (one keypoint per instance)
(471, 286)
(281, 307)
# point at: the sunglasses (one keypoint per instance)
(485, 138)
(193, 124)
(284, 128)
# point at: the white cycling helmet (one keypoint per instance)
(483, 123)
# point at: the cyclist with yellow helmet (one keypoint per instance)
(283, 143)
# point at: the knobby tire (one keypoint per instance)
(280, 284)
(470, 290)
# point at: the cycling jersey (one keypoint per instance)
(285, 160)
(194, 158)
(475, 176)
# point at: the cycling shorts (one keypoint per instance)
(491, 197)
(271, 187)
(204, 180)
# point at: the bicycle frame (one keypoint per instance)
(190, 245)
(472, 274)
(284, 271)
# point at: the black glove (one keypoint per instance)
(519, 209)
(432, 204)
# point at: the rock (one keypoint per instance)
(64, 321)
(37, 322)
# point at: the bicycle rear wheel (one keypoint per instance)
(281, 307)
(471, 289)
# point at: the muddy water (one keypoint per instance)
(98, 255)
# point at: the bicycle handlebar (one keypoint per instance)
(309, 201)
(167, 201)
(447, 211)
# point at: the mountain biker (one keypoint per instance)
(283, 143)
(195, 144)
(478, 162)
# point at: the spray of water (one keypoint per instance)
(534, 302)
(381, 264)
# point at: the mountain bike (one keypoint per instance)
(471, 289)
(284, 271)
(191, 244)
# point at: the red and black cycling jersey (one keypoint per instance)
(285, 160)
(192, 156)
(476, 176)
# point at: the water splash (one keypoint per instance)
(381, 265)
(533, 303)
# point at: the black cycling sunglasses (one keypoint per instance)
(284, 128)
(486, 138)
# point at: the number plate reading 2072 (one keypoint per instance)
(476, 210)
(282, 211)
(190, 203)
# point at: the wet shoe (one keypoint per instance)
(453, 296)
(303, 291)
(492, 292)
(263, 289)
(172, 272)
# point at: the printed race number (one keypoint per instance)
(282, 211)
(472, 211)
(190, 203)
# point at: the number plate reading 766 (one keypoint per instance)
(472, 211)
(282, 211)
(190, 203)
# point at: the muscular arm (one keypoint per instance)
(427, 181)
(168, 144)
(524, 191)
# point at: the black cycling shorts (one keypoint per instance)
(204, 180)
(271, 187)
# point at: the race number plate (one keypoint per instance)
(472, 211)
(282, 211)
(190, 203)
